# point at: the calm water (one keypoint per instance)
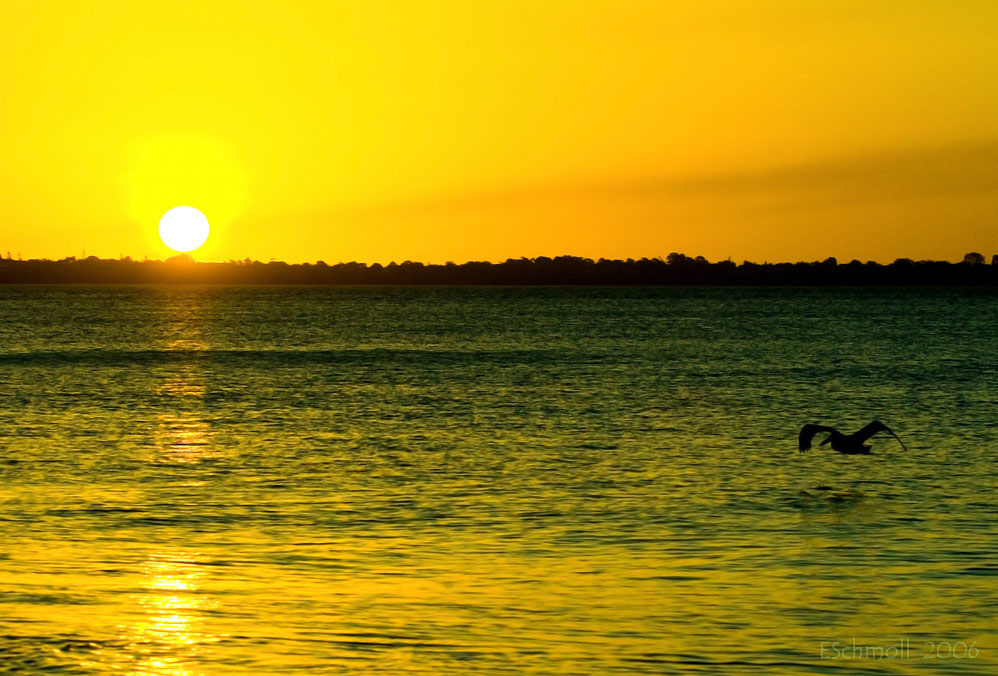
(494, 481)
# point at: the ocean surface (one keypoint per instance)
(235, 480)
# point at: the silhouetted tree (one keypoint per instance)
(676, 269)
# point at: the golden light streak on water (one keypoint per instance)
(182, 438)
(170, 635)
(181, 387)
(182, 434)
(170, 632)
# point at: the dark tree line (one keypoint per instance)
(675, 269)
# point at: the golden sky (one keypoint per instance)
(472, 130)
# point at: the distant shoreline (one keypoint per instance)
(675, 270)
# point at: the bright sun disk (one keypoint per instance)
(183, 228)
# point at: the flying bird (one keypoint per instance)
(850, 444)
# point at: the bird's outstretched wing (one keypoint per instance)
(807, 433)
(873, 428)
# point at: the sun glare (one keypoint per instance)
(183, 228)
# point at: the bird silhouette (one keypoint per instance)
(850, 444)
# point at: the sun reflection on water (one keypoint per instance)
(182, 386)
(169, 636)
(182, 433)
(171, 632)
(182, 437)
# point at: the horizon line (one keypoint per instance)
(188, 259)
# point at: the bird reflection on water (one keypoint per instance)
(825, 498)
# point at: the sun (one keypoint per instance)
(183, 228)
